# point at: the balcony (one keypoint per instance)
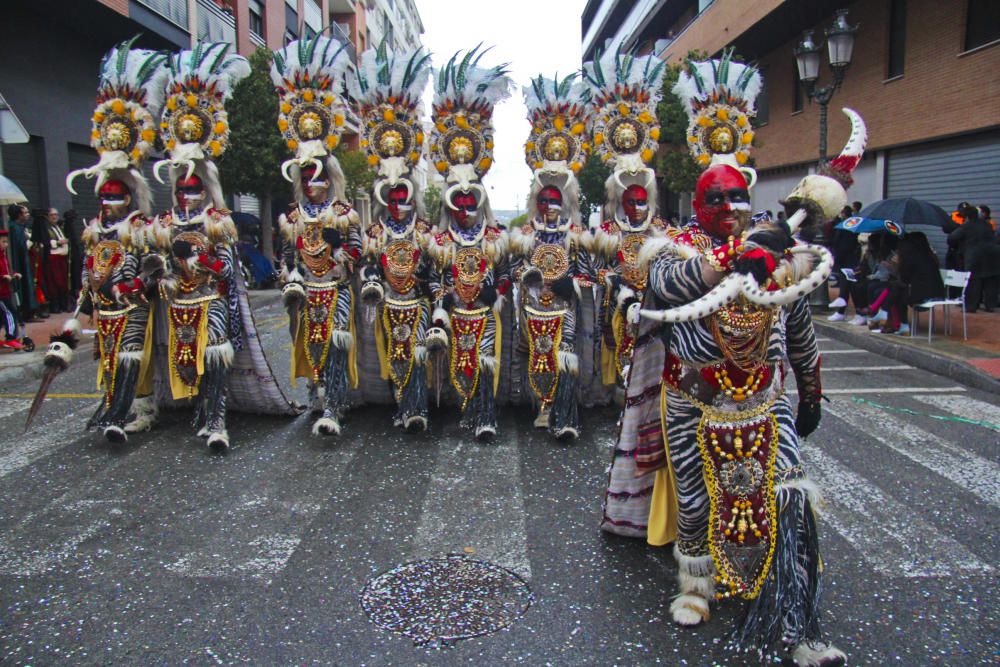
(215, 25)
(338, 33)
(175, 11)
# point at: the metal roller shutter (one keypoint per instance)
(22, 164)
(85, 201)
(947, 172)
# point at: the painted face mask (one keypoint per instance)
(722, 202)
(314, 190)
(549, 204)
(398, 209)
(189, 193)
(635, 203)
(465, 216)
(115, 197)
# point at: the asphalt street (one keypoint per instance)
(159, 552)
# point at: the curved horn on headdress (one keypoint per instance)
(447, 197)
(409, 190)
(71, 176)
(156, 171)
(285, 166)
(377, 191)
(843, 165)
(319, 167)
(618, 180)
(190, 168)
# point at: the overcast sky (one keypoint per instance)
(535, 37)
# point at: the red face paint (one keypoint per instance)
(722, 201)
(466, 205)
(114, 196)
(549, 204)
(189, 193)
(635, 203)
(398, 209)
(314, 190)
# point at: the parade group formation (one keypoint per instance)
(698, 326)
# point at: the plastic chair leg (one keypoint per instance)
(930, 323)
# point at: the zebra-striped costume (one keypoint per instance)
(547, 319)
(323, 243)
(463, 264)
(113, 295)
(197, 296)
(394, 268)
(784, 588)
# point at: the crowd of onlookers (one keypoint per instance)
(884, 275)
(41, 258)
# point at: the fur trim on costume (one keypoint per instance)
(168, 286)
(566, 433)
(695, 566)
(703, 586)
(522, 242)
(203, 432)
(794, 270)
(624, 294)
(294, 276)
(578, 289)
(420, 354)
(654, 247)
(219, 441)
(488, 362)
(485, 432)
(192, 262)
(126, 357)
(72, 326)
(441, 315)
(568, 362)
(806, 486)
(605, 244)
(115, 434)
(145, 415)
(220, 228)
(326, 426)
(818, 654)
(341, 340)
(290, 230)
(415, 424)
(220, 353)
(372, 293)
(690, 610)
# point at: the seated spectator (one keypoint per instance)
(846, 254)
(919, 279)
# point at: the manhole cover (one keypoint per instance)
(445, 599)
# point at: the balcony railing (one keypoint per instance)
(215, 25)
(338, 33)
(175, 11)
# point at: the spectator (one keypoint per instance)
(53, 247)
(38, 254)
(781, 216)
(855, 208)
(846, 254)
(73, 226)
(985, 213)
(980, 254)
(8, 321)
(919, 278)
(24, 284)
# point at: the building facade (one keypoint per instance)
(923, 76)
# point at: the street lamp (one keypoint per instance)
(840, 47)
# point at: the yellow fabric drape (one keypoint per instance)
(145, 386)
(300, 365)
(497, 349)
(178, 389)
(662, 523)
(352, 353)
(609, 356)
(383, 355)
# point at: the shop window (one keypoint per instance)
(897, 38)
(798, 95)
(982, 23)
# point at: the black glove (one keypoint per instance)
(753, 265)
(332, 237)
(447, 302)
(182, 249)
(776, 237)
(563, 288)
(488, 295)
(808, 417)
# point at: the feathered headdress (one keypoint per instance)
(308, 75)
(462, 137)
(718, 97)
(386, 92)
(194, 126)
(123, 129)
(624, 127)
(557, 146)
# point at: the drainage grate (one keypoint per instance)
(446, 599)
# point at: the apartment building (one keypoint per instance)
(923, 75)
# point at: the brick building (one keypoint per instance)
(923, 76)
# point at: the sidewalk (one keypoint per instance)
(974, 362)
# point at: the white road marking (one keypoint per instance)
(833, 369)
(968, 408)
(884, 529)
(971, 472)
(474, 501)
(885, 390)
(823, 353)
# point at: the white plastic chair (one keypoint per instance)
(951, 278)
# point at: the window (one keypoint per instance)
(982, 23)
(897, 38)
(256, 18)
(798, 95)
(289, 37)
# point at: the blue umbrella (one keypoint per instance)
(862, 225)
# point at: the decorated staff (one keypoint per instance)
(468, 274)
(386, 93)
(549, 259)
(210, 330)
(625, 135)
(736, 298)
(322, 232)
(120, 267)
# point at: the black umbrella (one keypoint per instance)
(906, 211)
(247, 223)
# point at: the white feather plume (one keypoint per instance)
(328, 57)
(214, 66)
(120, 70)
(690, 90)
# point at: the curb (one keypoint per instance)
(23, 368)
(950, 367)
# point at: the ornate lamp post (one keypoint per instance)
(840, 45)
